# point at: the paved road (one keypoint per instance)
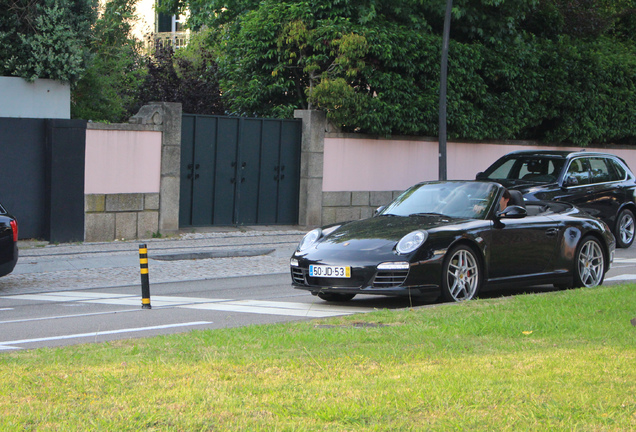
(66, 294)
(103, 314)
(43, 268)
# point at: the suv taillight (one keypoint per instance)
(14, 227)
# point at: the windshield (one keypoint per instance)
(470, 200)
(532, 169)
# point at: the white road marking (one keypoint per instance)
(309, 310)
(623, 277)
(47, 318)
(625, 260)
(155, 301)
(67, 296)
(9, 345)
(284, 308)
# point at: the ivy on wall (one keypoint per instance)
(553, 70)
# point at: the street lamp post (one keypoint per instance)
(442, 92)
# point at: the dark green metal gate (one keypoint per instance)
(239, 171)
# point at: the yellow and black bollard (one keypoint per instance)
(145, 283)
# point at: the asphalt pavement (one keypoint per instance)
(192, 255)
(201, 254)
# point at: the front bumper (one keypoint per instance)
(420, 278)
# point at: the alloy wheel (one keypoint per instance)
(590, 264)
(626, 228)
(462, 275)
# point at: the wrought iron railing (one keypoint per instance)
(173, 39)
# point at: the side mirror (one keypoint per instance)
(378, 210)
(512, 212)
(570, 181)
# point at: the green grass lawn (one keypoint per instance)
(558, 361)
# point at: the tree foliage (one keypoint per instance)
(122, 75)
(188, 76)
(116, 67)
(45, 38)
(556, 70)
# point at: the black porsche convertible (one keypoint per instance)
(454, 238)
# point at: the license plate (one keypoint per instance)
(329, 271)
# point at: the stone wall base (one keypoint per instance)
(346, 206)
(121, 216)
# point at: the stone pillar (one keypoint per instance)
(168, 115)
(311, 166)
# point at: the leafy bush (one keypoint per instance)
(108, 88)
(552, 70)
(45, 39)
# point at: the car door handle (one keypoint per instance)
(552, 232)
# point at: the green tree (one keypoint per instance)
(45, 38)
(116, 67)
(188, 76)
(558, 70)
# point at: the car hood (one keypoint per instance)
(380, 233)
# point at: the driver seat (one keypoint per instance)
(516, 198)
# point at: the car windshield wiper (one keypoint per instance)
(426, 214)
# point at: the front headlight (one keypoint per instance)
(310, 238)
(411, 241)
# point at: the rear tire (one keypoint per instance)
(625, 229)
(589, 264)
(335, 297)
(461, 274)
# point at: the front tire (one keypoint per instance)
(625, 229)
(335, 297)
(589, 266)
(461, 274)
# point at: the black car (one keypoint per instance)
(599, 183)
(8, 242)
(452, 237)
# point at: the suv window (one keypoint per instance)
(617, 171)
(503, 170)
(578, 170)
(529, 168)
(600, 170)
(540, 170)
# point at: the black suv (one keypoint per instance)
(600, 183)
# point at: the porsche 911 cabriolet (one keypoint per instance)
(454, 238)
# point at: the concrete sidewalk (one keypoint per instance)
(202, 254)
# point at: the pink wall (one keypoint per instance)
(122, 161)
(359, 164)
